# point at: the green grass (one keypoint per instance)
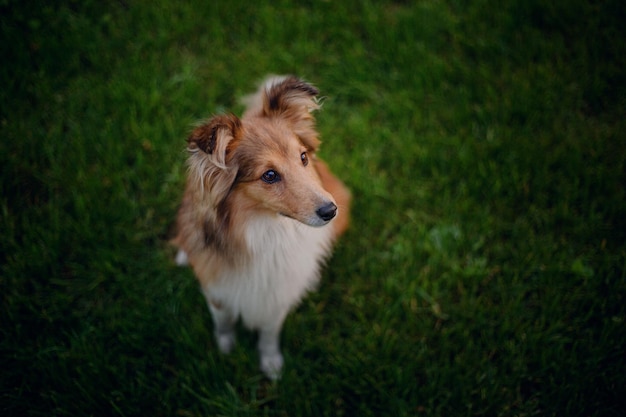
(485, 270)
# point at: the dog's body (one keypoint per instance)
(253, 221)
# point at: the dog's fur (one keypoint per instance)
(253, 220)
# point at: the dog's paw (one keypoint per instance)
(272, 365)
(181, 258)
(225, 342)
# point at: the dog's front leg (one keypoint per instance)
(224, 325)
(269, 349)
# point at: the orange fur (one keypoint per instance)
(253, 220)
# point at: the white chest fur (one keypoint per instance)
(285, 262)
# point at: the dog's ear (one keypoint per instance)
(211, 147)
(217, 137)
(292, 99)
(289, 95)
(295, 100)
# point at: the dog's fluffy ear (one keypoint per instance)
(211, 148)
(291, 98)
(289, 94)
(217, 137)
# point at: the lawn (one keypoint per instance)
(484, 143)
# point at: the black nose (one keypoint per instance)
(327, 212)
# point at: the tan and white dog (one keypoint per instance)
(254, 220)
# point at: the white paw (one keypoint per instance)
(225, 342)
(181, 258)
(272, 365)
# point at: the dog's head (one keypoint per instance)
(266, 160)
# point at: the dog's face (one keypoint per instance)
(266, 160)
(277, 171)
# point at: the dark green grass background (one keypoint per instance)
(484, 142)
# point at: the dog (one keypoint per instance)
(260, 213)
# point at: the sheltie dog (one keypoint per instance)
(254, 220)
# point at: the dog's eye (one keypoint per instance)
(270, 176)
(304, 158)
